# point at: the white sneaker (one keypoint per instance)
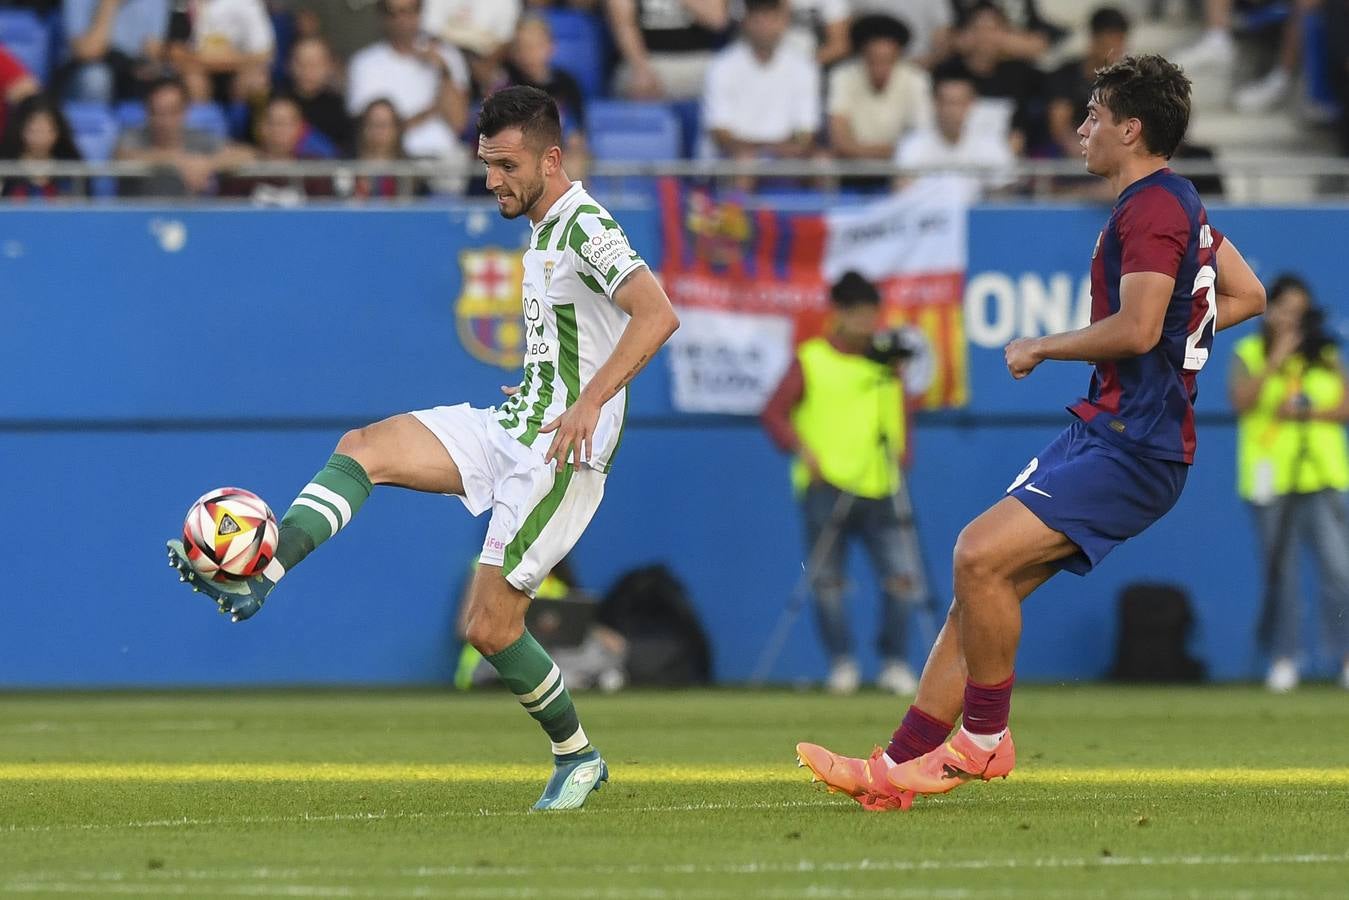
(1214, 51)
(897, 678)
(1282, 676)
(844, 677)
(1263, 95)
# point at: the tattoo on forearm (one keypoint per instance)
(632, 373)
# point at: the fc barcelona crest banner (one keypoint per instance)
(752, 274)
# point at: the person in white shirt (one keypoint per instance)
(880, 96)
(228, 54)
(819, 27)
(763, 95)
(481, 28)
(953, 142)
(425, 80)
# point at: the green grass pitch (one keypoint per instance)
(1204, 792)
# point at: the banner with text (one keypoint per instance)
(753, 276)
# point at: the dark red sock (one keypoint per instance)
(919, 733)
(987, 706)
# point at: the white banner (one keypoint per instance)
(921, 229)
(722, 362)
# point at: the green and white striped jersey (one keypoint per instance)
(577, 258)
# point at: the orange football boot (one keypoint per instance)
(952, 764)
(858, 778)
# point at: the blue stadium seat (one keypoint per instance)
(625, 130)
(25, 35)
(579, 48)
(94, 128)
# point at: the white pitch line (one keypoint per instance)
(113, 880)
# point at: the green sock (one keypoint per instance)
(325, 505)
(536, 681)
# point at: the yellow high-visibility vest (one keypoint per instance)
(850, 418)
(1283, 456)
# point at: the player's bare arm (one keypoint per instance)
(1241, 296)
(1132, 331)
(653, 321)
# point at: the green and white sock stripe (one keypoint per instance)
(530, 673)
(324, 507)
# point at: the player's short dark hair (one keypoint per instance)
(879, 27)
(852, 290)
(1108, 19)
(761, 5)
(952, 70)
(527, 108)
(1152, 90)
(976, 9)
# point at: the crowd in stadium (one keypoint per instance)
(196, 87)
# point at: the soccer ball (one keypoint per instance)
(229, 534)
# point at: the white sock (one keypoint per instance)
(573, 744)
(984, 741)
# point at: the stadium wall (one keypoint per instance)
(149, 355)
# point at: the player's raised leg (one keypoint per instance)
(495, 626)
(1000, 557)
(396, 451)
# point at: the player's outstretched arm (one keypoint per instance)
(653, 321)
(1132, 331)
(1240, 294)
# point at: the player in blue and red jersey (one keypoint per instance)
(1163, 281)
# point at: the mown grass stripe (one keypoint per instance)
(632, 774)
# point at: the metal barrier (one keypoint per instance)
(1263, 180)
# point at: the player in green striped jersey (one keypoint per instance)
(594, 316)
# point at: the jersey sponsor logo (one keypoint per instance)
(539, 345)
(606, 250)
(487, 311)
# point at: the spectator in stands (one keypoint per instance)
(580, 5)
(312, 76)
(877, 98)
(530, 63)
(1027, 35)
(346, 25)
(224, 49)
(116, 47)
(38, 132)
(280, 135)
(1009, 88)
(666, 45)
(956, 139)
(425, 79)
(186, 159)
(379, 138)
(929, 23)
(16, 84)
(1217, 48)
(1069, 86)
(841, 413)
(1267, 92)
(1287, 384)
(819, 28)
(763, 95)
(472, 25)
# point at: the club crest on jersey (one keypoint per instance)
(548, 268)
(487, 312)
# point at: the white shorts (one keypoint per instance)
(538, 514)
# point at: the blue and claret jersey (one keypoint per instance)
(1145, 404)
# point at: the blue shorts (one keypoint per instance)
(1096, 493)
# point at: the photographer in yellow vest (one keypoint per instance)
(840, 411)
(1287, 385)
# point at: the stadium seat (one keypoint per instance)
(94, 128)
(579, 48)
(625, 130)
(24, 35)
